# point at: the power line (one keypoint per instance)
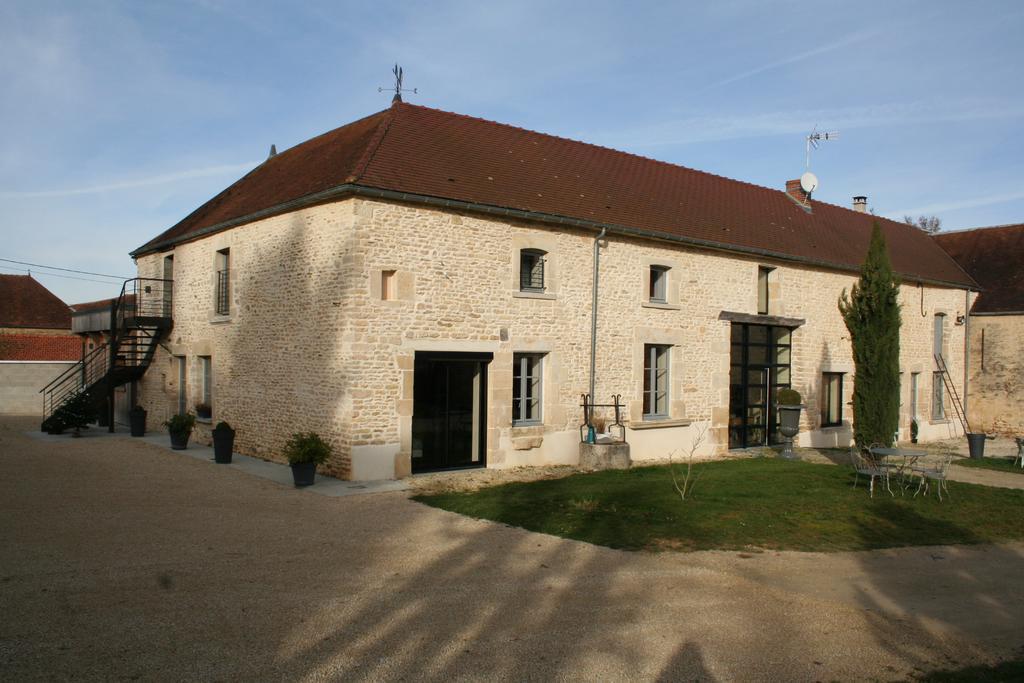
(67, 277)
(67, 270)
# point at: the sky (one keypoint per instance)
(117, 119)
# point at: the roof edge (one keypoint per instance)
(340, 191)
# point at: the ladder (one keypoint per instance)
(958, 407)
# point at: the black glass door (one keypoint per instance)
(760, 360)
(448, 420)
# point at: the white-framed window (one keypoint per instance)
(531, 270)
(657, 287)
(223, 288)
(938, 333)
(656, 394)
(182, 363)
(831, 399)
(527, 388)
(915, 378)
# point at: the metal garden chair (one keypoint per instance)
(868, 467)
(1020, 450)
(936, 473)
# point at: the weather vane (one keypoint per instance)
(398, 85)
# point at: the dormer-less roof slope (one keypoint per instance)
(413, 153)
(995, 258)
(26, 303)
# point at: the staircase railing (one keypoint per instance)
(137, 317)
(958, 406)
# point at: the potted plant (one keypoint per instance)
(180, 428)
(223, 442)
(789, 403)
(203, 411)
(137, 419)
(305, 450)
(913, 430)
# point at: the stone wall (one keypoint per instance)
(20, 382)
(996, 400)
(313, 344)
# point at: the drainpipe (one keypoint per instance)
(593, 311)
(967, 349)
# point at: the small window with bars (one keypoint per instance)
(526, 388)
(531, 270)
(656, 381)
(223, 289)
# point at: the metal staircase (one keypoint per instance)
(139, 319)
(958, 407)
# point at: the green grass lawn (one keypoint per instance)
(1001, 464)
(742, 504)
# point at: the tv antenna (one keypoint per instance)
(398, 85)
(817, 137)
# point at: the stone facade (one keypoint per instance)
(312, 342)
(996, 400)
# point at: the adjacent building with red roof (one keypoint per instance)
(36, 343)
(418, 286)
(994, 257)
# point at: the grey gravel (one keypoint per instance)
(121, 560)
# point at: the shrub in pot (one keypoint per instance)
(204, 411)
(180, 429)
(223, 442)
(137, 420)
(789, 403)
(914, 429)
(306, 450)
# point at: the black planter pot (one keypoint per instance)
(223, 444)
(179, 442)
(137, 419)
(103, 417)
(304, 473)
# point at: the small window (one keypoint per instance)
(526, 388)
(387, 285)
(832, 399)
(531, 270)
(940, 319)
(762, 289)
(915, 378)
(658, 285)
(655, 381)
(938, 397)
(182, 384)
(206, 374)
(223, 292)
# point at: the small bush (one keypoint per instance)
(307, 447)
(789, 397)
(181, 425)
(203, 409)
(223, 426)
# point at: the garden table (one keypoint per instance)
(907, 459)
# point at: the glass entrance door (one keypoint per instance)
(448, 425)
(760, 360)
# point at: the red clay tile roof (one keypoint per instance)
(40, 347)
(995, 258)
(429, 153)
(26, 303)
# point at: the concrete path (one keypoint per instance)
(119, 559)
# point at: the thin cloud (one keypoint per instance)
(163, 179)
(852, 39)
(940, 207)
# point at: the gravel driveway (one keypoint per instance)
(121, 560)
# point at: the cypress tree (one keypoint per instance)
(872, 315)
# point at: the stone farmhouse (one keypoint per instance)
(994, 257)
(418, 287)
(36, 343)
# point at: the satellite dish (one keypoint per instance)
(809, 182)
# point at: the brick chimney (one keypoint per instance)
(860, 204)
(796, 192)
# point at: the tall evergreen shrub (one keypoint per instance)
(872, 315)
